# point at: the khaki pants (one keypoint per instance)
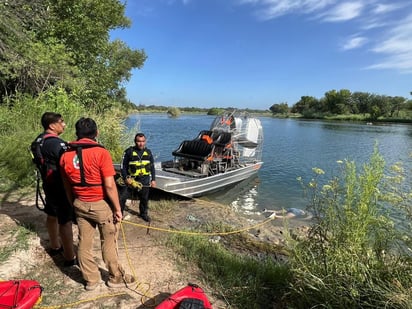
(89, 215)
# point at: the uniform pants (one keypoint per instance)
(129, 193)
(89, 216)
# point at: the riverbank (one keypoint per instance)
(143, 252)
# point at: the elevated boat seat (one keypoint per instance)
(194, 149)
(221, 139)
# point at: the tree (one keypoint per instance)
(66, 43)
(281, 108)
(173, 112)
(338, 102)
(306, 104)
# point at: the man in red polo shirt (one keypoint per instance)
(87, 170)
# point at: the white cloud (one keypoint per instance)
(386, 8)
(354, 42)
(344, 11)
(375, 18)
(274, 8)
(396, 46)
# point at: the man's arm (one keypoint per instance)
(111, 191)
(124, 164)
(152, 171)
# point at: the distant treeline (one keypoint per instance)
(344, 102)
(200, 110)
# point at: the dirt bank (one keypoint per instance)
(142, 252)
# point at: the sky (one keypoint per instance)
(256, 53)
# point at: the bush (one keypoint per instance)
(355, 256)
(20, 124)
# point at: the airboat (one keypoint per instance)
(229, 152)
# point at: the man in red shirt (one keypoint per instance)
(87, 170)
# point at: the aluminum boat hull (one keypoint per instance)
(194, 187)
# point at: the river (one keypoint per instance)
(291, 149)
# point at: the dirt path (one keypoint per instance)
(142, 252)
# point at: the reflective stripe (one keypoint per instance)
(139, 166)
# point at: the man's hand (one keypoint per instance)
(118, 216)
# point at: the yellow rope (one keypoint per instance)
(80, 301)
(138, 284)
(199, 233)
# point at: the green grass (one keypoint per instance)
(243, 281)
(17, 239)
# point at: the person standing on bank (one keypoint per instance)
(88, 176)
(57, 207)
(138, 164)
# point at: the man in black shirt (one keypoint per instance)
(138, 165)
(57, 207)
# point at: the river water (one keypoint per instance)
(291, 149)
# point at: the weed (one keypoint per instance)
(354, 252)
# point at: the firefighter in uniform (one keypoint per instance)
(137, 166)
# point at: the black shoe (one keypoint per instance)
(71, 263)
(146, 218)
(54, 252)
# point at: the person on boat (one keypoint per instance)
(138, 165)
(57, 207)
(88, 176)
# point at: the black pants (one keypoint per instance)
(129, 193)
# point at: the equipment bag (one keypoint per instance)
(42, 168)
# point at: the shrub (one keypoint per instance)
(354, 255)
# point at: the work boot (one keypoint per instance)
(91, 286)
(121, 281)
(145, 217)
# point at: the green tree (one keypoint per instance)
(339, 102)
(281, 108)
(362, 101)
(173, 112)
(304, 104)
(66, 43)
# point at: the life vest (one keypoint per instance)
(78, 147)
(139, 165)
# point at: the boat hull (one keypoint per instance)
(194, 187)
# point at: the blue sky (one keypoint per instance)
(256, 53)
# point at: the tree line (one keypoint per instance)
(344, 102)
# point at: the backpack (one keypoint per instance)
(42, 167)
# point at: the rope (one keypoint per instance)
(145, 294)
(80, 301)
(199, 233)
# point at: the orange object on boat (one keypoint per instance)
(19, 294)
(192, 295)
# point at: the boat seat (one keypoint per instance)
(194, 149)
(203, 132)
(222, 138)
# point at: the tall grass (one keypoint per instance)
(20, 124)
(243, 281)
(355, 256)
